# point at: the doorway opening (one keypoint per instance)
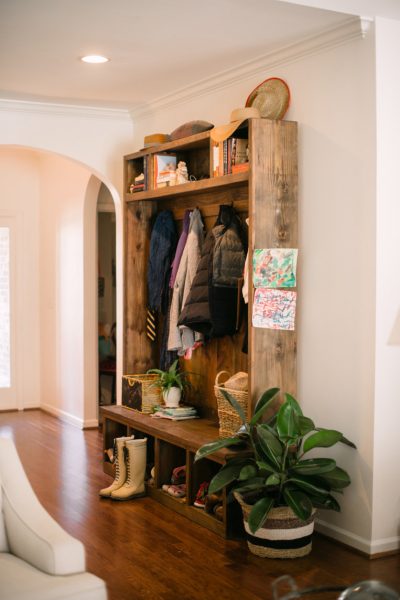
(106, 296)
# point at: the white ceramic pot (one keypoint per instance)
(172, 397)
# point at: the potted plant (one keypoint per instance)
(172, 383)
(278, 488)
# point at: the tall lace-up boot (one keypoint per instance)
(135, 458)
(120, 466)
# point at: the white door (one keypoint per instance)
(8, 392)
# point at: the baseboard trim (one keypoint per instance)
(372, 549)
(67, 417)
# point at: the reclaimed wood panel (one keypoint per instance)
(273, 224)
(139, 351)
(190, 188)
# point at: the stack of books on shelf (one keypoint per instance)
(139, 184)
(164, 167)
(231, 156)
(181, 413)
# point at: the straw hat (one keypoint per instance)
(271, 97)
(219, 134)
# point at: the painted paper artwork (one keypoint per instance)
(274, 309)
(274, 267)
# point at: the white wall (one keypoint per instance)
(386, 496)
(95, 139)
(62, 273)
(333, 101)
(19, 197)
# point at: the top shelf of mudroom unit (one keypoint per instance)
(198, 140)
(192, 187)
(197, 152)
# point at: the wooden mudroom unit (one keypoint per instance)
(267, 195)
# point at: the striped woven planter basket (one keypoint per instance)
(283, 534)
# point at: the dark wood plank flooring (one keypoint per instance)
(143, 550)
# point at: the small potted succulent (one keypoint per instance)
(172, 383)
(278, 488)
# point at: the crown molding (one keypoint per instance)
(63, 110)
(348, 30)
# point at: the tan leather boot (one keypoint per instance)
(120, 467)
(135, 458)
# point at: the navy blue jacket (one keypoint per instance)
(162, 249)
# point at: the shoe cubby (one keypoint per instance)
(170, 445)
(169, 457)
(201, 472)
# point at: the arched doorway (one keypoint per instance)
(53, 199)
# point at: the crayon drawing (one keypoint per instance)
(274, 267)
(274, 309)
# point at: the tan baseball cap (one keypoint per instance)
(218, 134)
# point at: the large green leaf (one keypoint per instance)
(343, 440)
(259, 513)
(235, 404)
(294, 404)
(308, 485)
(270, 445)
(225, 476)
(328, 502)
(324, 438)
(257, 483)
(262, 404)
(314, 466)
(337, 478)
(304, 425)
(286, 422)
(298, 502)
(347, 442)
(263, 466)
(273, 479)
(247, 472)
(214, 446)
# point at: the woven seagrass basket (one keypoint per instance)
(139, 392)
(229, 420)
(283, 534)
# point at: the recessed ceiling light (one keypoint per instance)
(94, 59)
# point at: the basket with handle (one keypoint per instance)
(229, 420)
(139, 392)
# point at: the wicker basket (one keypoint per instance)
(139, 392)
(229, 420)
(282, 535)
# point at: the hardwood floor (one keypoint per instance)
(146, 552)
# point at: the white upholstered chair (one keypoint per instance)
(38, 559)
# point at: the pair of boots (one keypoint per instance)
(130, 467)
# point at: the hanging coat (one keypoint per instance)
(211, 308)
(180, 248)
(162, 248)
(182, 338)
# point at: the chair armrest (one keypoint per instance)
(33, 535)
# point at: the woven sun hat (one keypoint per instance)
(155, 139)
(221, 133)
(271, 97)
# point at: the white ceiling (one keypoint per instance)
(155, 47)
